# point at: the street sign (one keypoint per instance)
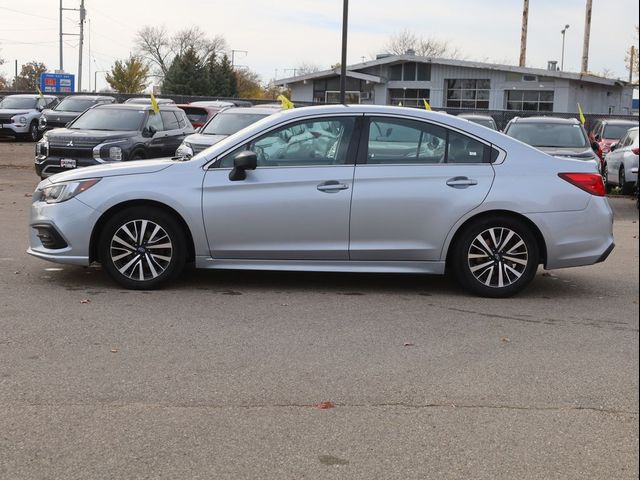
(57, 83)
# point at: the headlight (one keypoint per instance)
(42, 147)
(184, 150)
(23, 119)
(61, 192)
(43, 121)
(115, 153)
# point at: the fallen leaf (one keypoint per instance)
(16, 273)
(114, 350)
(27, 195)
(85, 300)
(325, 405)
(505, 340)
(408, 344)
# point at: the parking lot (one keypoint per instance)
(224, 374)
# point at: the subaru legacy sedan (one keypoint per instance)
(333, 188)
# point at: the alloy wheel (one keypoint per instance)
(498, 257)
(141, 250)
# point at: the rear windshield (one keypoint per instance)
(230, 123)
(549, 135)
(485, 122)
(616, 132)
(195, 115)
(70, 104)
(18, 103)
(110, 119)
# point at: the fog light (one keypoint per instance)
(115, 153)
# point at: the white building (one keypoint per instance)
(459, 84)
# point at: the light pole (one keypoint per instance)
(563, 32)
(343, 62)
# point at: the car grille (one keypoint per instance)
(6, 117)
(60, 124)
(72, 143)
(57, 151)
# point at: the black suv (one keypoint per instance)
(69, 109)
(112, 133)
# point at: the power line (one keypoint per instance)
(26, 13)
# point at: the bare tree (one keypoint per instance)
(399, 43)
(633, 68)
(304, 68)
(159, 48)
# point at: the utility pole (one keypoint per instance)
(523, 34)
(587, 32)
(83, 13)
(563, 32)
(61, 64)
(343, 62)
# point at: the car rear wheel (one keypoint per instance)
(495, 257)
(626, 188)
(142, 248)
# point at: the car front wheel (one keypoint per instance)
(626, 188)
(142, 248)
(495, 257)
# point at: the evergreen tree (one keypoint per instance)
(187, 75)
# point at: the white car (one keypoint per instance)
(20, 114)
(622, 162)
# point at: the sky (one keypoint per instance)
(279, 35)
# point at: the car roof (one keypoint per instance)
(147, 100)
(30, 95)
(475, 115)
(558, 120)
(249, 110)
(90, 97)
(618, 121)
(137, 106)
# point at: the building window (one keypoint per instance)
(530, 100)
(408, 97)
(323, 86)
(410, 72)
(468, 93)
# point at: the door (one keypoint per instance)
(615, 158)
(155, 145)
(295, 204)
(414, 180)
(173, 134)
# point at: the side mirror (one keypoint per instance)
(595, 147)
(152, 130)
(613, 147)
(149, 131)
(242, 162)
(598, 138)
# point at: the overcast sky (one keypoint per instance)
(281, 34)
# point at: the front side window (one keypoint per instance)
(322, 141)
(400, 141)
(468, 93)
(154, 120)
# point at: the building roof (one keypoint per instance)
(391, 59)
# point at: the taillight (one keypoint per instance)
(589, 182)
(635, 151)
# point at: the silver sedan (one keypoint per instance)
(333, 188)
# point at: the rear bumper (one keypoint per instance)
(577, 238)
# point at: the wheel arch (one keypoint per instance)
(542, 246)
(94, 254)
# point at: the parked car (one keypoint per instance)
(68, 109)
(559, 137)
(221, 103)
(197, 115)
(147, 101)
(622, 162)
(112, 133)
(333, 188)
(484, 120)
(19, 114)
(606, 132)
(225, 123)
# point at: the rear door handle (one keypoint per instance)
(460, 182)
(332, 186)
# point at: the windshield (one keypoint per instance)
(616, 131)
(196, 115)
(109, 119)
(549, 135)
(228, 123)
(18, 103)
(71, 104)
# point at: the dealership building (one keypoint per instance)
(459, 84)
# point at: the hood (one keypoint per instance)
(135, 167)
(54, 115)
(201, 139)
(87, 136)
(11, 111)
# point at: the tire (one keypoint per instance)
(137, 156)
(605, 179)
(626, 188)
(34, 133)
(142, 248)
(481, 268)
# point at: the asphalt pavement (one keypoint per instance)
(222, 375)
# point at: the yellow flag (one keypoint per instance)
(426, 105)
(285, 102)
(154, 104)
(581, 115)
(39, 91)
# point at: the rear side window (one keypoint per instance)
(402, 141)
(170, 121)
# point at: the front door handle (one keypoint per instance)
(461, 182)
(332, 186)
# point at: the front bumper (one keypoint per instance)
(72, 220)
(14, 128)
(47, 166)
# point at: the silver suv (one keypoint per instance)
(19, 114)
